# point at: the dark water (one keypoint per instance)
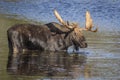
(50, 64)
(100, 61)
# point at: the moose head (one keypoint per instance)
(75, 30)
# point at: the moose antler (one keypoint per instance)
(66, 24)
(89, 23)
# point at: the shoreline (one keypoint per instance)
(18, 19)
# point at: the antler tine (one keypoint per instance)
(89, 23)
(58, 17)
(61, 20)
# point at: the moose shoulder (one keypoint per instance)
(51, 36)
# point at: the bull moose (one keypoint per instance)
(51, 36)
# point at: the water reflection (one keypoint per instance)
(48, 64)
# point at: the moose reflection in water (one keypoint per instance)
(54, 64)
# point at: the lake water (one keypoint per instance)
(100, 61)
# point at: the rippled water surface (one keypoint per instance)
(100, 61)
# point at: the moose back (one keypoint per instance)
(52, 36)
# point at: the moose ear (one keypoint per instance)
(57, 28)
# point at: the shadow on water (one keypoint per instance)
(47, 64)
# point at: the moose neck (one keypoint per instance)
(68, 38)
